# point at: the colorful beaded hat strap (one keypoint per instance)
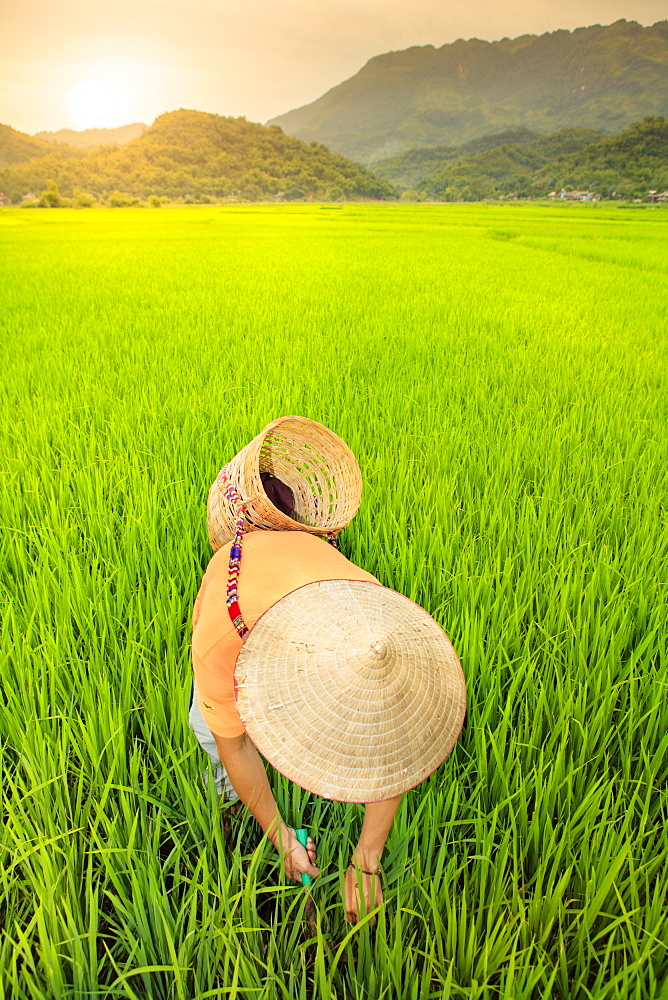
(232, 598)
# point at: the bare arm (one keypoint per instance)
(361, 888)
(249, 778)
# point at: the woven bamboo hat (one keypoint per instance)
(318, 469)
(350, 690)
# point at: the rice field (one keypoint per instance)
(500, 372)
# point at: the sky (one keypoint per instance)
(84, 63)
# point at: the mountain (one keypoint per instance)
(192, 155)
(601, 77)
(91, 138)
(407, 169)
(629, 165)
(17, 147)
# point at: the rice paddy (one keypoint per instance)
(500, 372)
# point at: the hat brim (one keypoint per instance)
(351, 690)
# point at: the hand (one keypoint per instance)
(361, 893)
(298, 860)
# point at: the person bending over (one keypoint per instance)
(348, 688)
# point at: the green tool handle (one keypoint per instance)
(302, 837)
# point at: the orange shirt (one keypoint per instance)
(273, 564)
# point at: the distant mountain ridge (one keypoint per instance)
(600, 77)
(92, 138)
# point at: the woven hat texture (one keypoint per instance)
(314, 463)
(351, 690)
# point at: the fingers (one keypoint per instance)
(312, 867)
(301, 861)
(307, 869)
(361, 896)
(296, 873)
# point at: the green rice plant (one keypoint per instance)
(505, 395)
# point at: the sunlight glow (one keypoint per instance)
(98, 104)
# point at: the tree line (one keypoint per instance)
(624, 166)
(193, 156)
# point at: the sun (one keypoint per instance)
(98, 104)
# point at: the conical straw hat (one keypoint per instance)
(316, 466)
(351, 690)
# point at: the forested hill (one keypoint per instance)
(627, 165)
(407, 169)
(601, 77)
(189, 155)
(17, 147)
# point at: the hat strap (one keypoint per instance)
(232, 597)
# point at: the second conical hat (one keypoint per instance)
(311, 461)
